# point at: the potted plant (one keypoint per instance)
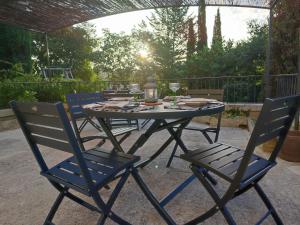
(290, 150)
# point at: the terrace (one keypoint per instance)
(26, 197)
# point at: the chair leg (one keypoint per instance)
(227, 216)
(210, 178)
(145, 122)
(106, 208)
(118, 219)
(172, 155)
(203, 217)
(157, 153)
(124, 137)
(218, 127)
(267, 202)
(54, 208)
(207, 137)
(202, 176)
(102, 142)
(151, 198)
(102, 219)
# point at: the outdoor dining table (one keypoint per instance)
(165, 116)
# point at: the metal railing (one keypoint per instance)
(286, 84)
(236, 88)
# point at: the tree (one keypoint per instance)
(69, 47)
(286, 36)
(202, 31)
(15, 47)
(191, 42)
(234, 59)
(217, 34)
(116, 56)
(169, 42)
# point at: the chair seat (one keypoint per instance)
(115, 131)
(103, 166)
(224, 160)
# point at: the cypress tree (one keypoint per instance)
(191, 42)
(217, 34)
(202, 32)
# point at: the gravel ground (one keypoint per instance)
(26, 197)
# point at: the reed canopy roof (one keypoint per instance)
(50, 15)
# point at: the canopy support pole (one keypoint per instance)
(298, 82)
(47, 49)
(268, 64)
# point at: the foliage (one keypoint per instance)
(145, 65)
(191, 42)
(286, 32)
(202, 31)
(244, 58)
(27, 96)
(116, 56)
(15, 48)
(69, 47)
(12, 71)
(217, 34)
(169, 42)
(232, 113)
(34, 88)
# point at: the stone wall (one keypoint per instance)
(7, 120)
(249, 111)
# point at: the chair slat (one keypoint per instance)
(220, 154)
(280, 122)
(97, 177)
(230, 169)
(52, 143)
(255, 167)
(48, 131)
(42, 120)
(94, 165)
(120, 157)
(278, 113)
(203, 149)
(37, 108)
(105, 162)
(211, 152)
(227, 160)
(270, 135)
(217, 94)
(68, 177)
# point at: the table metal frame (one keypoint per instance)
(162, 121)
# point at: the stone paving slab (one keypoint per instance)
(26, 197)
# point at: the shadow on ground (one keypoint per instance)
(26, 197)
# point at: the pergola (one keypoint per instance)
(49, 15)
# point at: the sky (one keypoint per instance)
(234, 21)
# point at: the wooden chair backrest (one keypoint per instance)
(217, 94)
(75, 102)
(45, 124)
(274, 121)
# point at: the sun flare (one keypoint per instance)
(143, 53)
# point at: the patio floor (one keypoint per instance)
(23, 199)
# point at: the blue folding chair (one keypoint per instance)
(243, 169)
(45, 124)
(80, 119)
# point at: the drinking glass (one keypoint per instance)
(135, 90)
(174, 87)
